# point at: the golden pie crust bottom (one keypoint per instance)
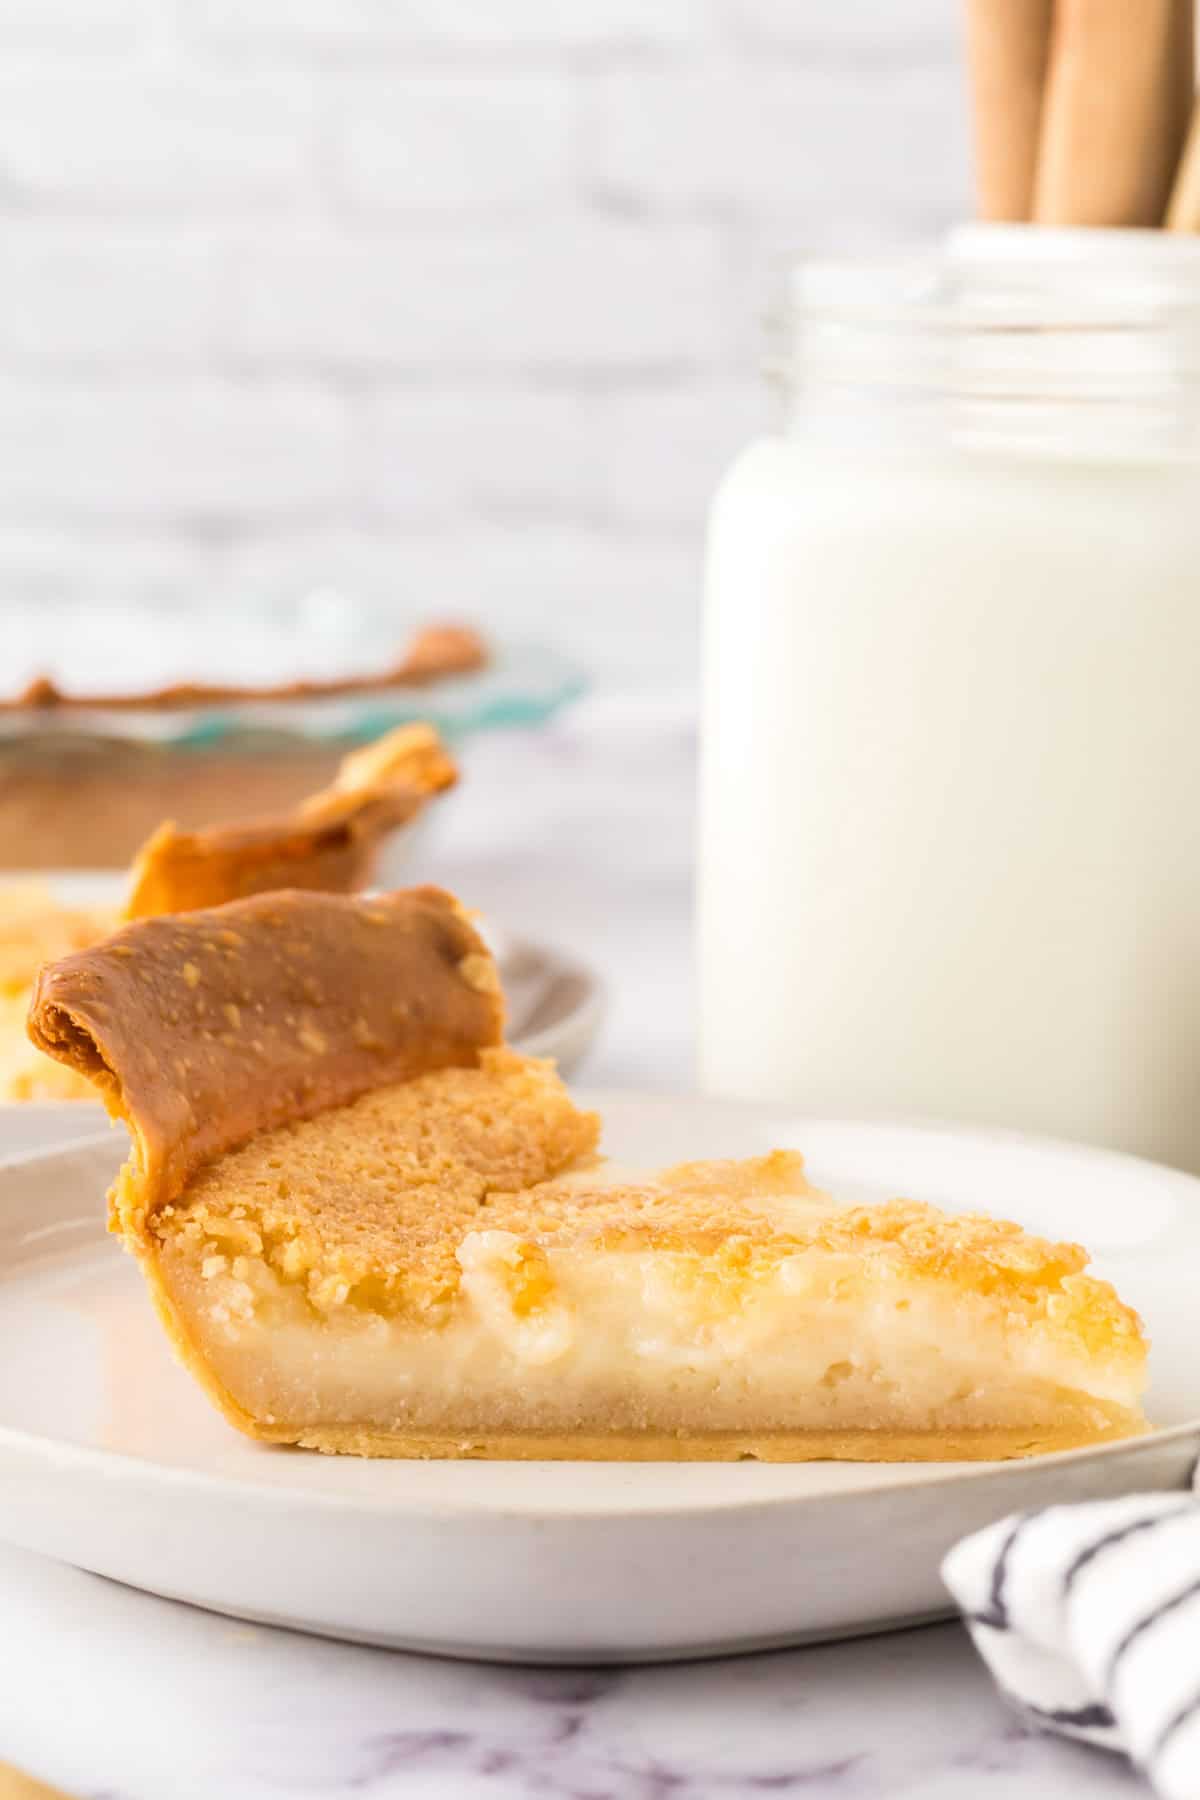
(725, 1446)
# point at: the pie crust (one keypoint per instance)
(435, 653)
(330, 842)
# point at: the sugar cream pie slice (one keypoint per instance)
(330, 842)
(369, 1227)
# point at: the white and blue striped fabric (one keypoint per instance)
(1088, 1617)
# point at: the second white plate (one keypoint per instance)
(110, 1457)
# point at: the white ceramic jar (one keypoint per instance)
(950, 801)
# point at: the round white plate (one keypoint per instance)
(110, 1457)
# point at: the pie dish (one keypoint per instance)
(370, 1228)
(434, 653)
(330, 841)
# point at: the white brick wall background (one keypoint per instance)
(451, 303)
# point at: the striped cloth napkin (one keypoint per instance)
(1088, 1617)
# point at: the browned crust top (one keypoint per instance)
(435, 653)
(203, 1031)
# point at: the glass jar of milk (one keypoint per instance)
(950, 801)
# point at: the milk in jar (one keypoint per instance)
(950, 797)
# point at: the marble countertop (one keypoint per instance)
(581, 835)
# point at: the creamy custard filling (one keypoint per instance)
(578, 1338)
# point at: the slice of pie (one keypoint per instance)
(369, 1227)
(330, 842)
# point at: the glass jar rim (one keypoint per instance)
(974, 287)
(1091, 350)
(1035, 323)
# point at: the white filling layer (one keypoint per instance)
(629, 1340)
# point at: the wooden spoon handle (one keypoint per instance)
(1008, 45)
(1118, 100)
(1183, 212)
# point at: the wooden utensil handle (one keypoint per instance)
(1183, 211)
(1118, 99)
(1008, 44)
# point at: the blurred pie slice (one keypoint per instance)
(368, 1227)
(330, 842)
